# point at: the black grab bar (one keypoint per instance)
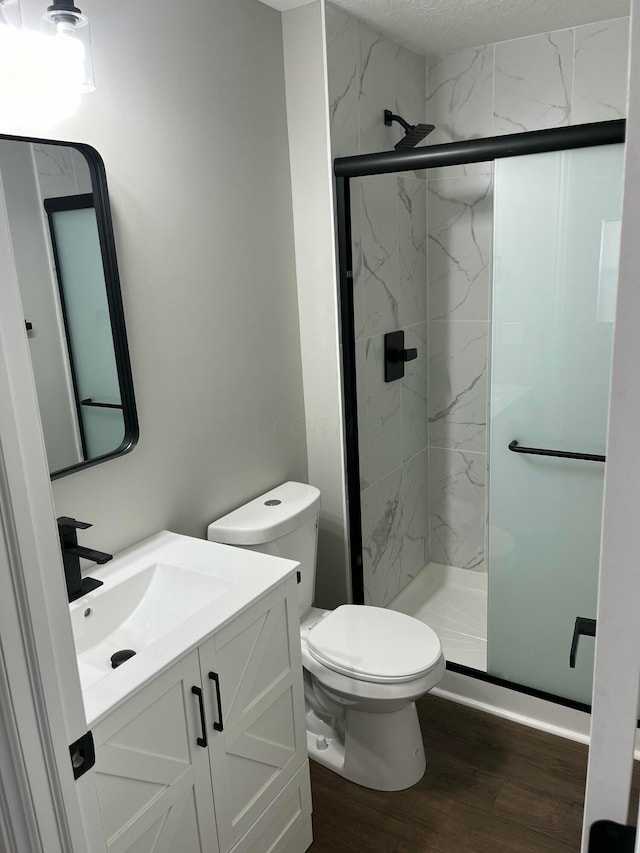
(563, 454)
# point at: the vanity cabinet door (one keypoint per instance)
(259, 740)
(153, 780)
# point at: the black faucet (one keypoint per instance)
(77, 586)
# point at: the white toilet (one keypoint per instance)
(364, 667)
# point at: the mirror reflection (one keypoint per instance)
(60, 228)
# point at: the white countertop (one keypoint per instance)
(250, 575)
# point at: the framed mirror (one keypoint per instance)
(64, 250)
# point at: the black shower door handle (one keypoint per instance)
(515, 447)
(583, 627)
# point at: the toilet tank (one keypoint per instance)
(284, 523)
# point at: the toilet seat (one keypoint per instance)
(374, 644)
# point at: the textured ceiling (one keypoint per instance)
(438, 26)
(280, 5)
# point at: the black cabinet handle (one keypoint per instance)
(583, 627)
(201, 741)
(219, 726)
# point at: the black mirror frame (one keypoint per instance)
(114, 299)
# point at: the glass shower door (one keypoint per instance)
(88, 325)
(557, 225)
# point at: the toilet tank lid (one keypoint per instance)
(268, 516)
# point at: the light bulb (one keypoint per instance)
(67, 27)
(66, 58)
(43, 75)
(37, 87)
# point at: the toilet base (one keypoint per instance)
(381, 751)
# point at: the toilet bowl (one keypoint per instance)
(361, 716)
(364, 667)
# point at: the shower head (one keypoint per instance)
(414, 133)
(414, 136)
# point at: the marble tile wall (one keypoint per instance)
(61, 170)
(422, 249)
(548, 80)
(369, 73)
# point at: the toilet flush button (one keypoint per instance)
(321, 742)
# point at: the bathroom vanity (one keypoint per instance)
(200, 736)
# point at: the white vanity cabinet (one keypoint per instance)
(161, 789)
(153, 780)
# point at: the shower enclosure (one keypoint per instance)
(476, 476)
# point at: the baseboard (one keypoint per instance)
(519, 707)
(513, 705)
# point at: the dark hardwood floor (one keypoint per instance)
(491, 786)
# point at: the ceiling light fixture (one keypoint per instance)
(68, 29)
(43, 74)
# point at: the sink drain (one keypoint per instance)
(120, 657)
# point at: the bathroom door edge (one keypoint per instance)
(42, 807)
(617, 652)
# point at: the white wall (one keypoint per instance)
(189, 116)
(616, 677)
(312, 180)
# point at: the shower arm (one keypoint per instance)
(390, 117)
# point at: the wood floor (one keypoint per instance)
(491, 786)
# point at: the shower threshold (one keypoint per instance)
(453, 602)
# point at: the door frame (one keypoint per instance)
(616, 680)
(42, 807)
(41, 709)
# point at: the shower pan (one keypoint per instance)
(505, 600)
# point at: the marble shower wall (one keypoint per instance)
(423, 456)
(548, 80)
(369, 73)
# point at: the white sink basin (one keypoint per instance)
(136, 612)
(160, 599)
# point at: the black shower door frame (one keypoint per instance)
(428, 157)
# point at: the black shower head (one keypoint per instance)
(414, 133)
(417, 133)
